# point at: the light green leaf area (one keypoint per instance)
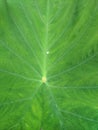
(48, 65)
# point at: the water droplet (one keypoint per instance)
(47, 52)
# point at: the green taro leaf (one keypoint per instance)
(48, 64)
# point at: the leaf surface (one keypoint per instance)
(48, 65)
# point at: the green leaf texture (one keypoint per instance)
(48, 64)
